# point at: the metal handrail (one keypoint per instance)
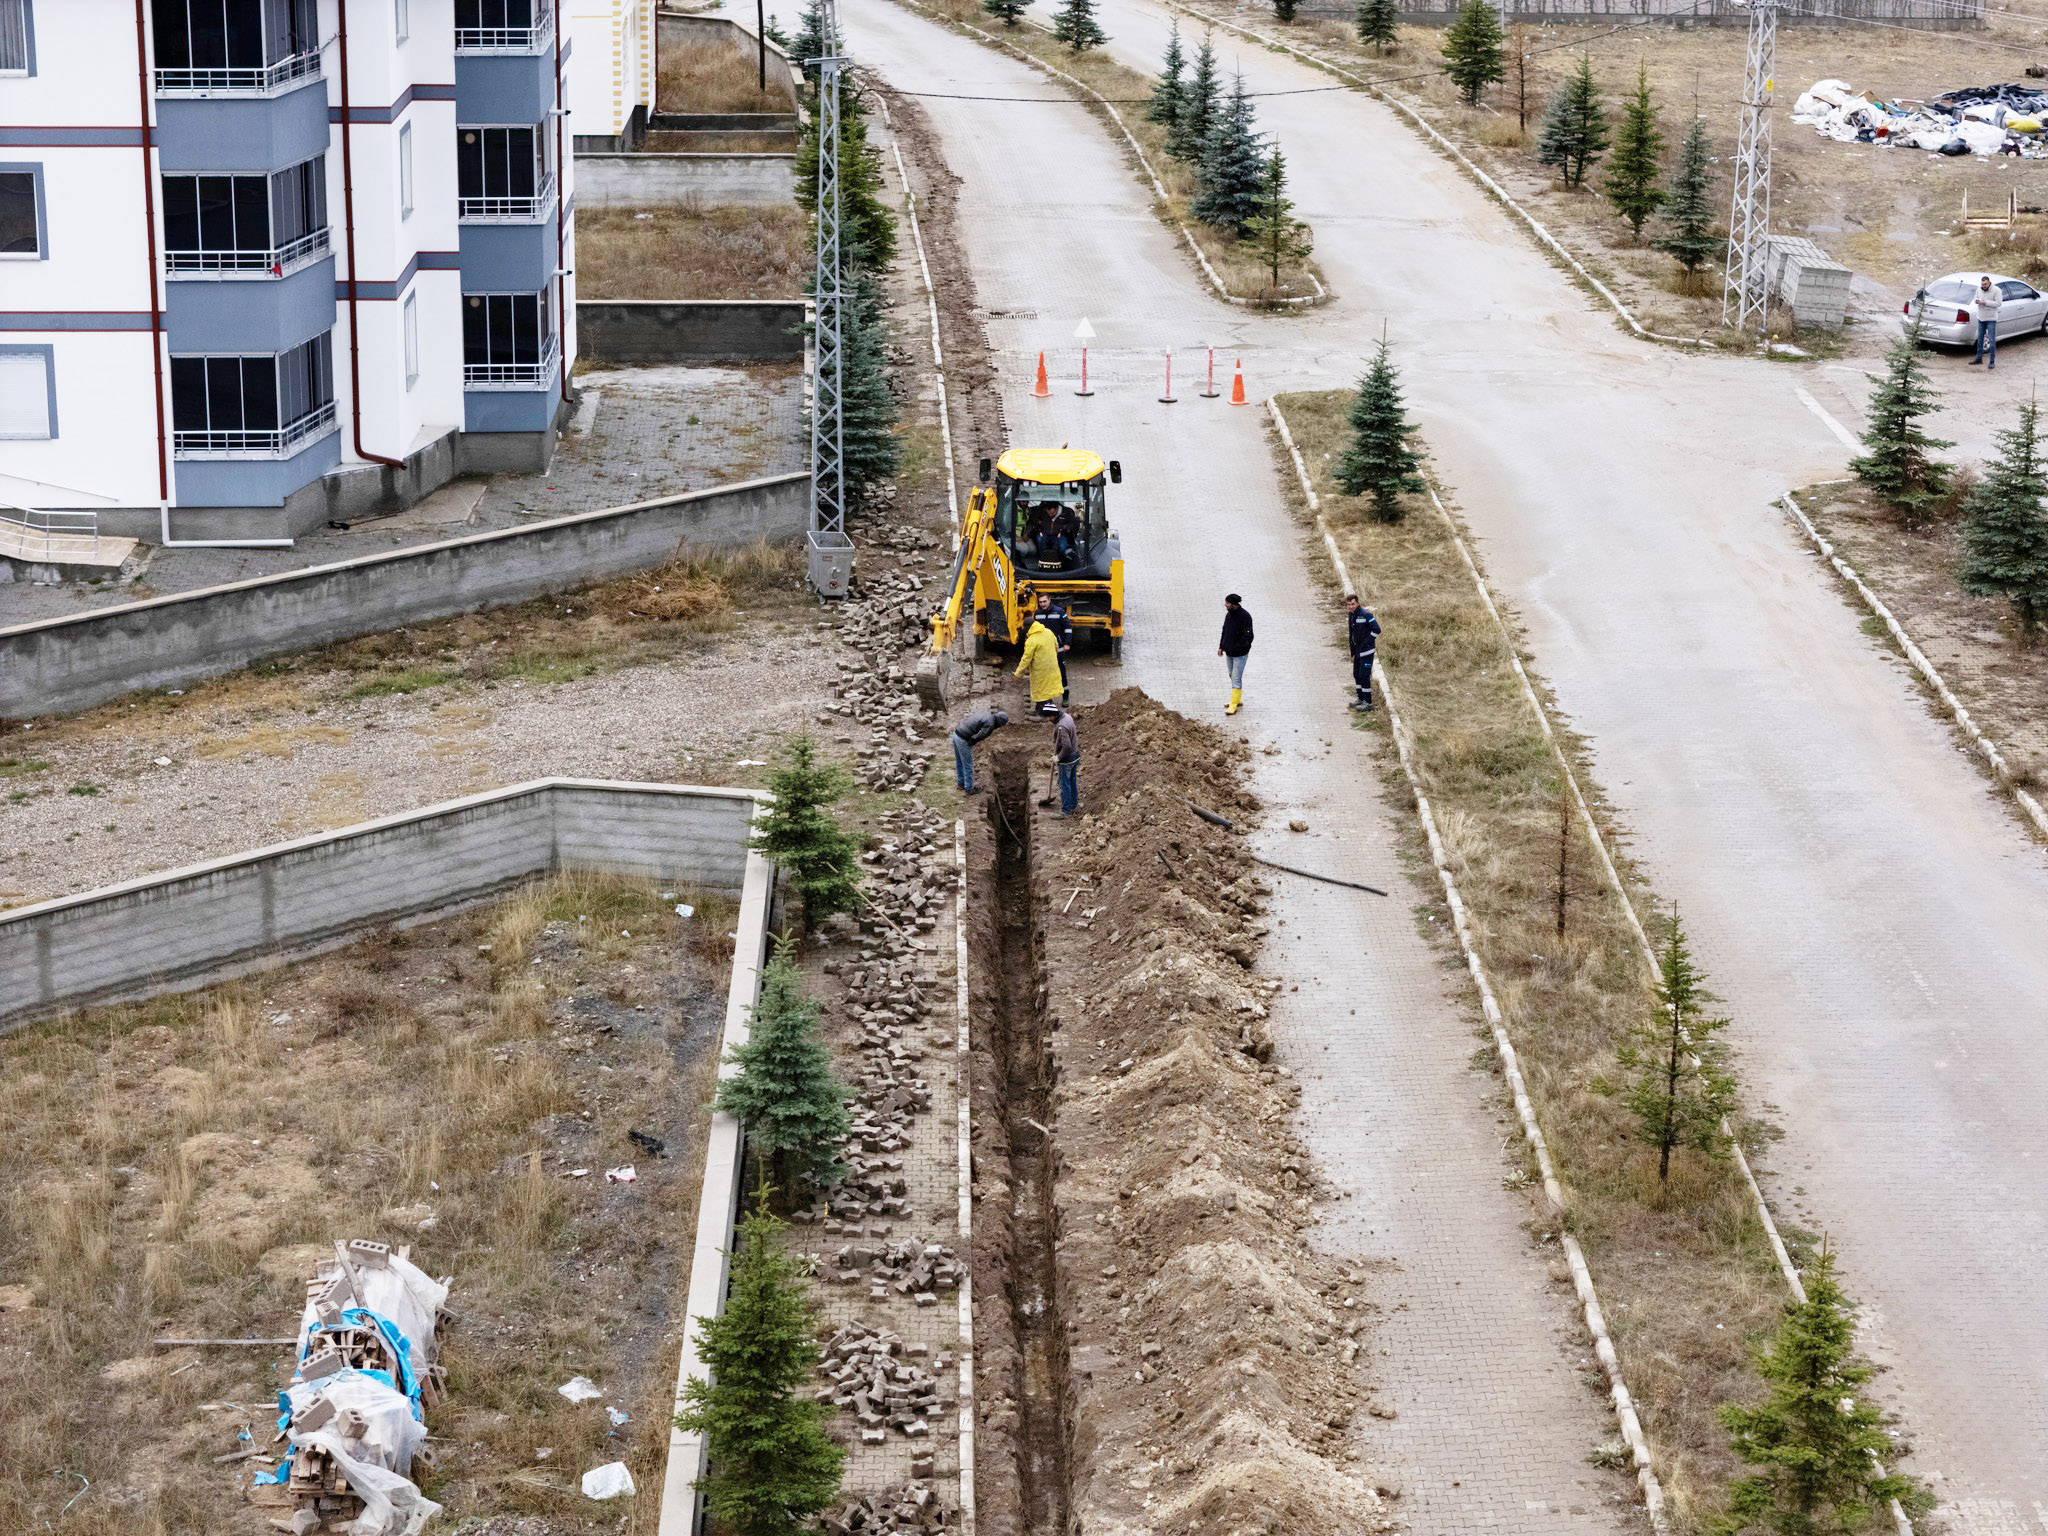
(57, 534)
(251, 80)
(276, 263)
(508, 39)
(533, 375)
(257, 443)
(508, 210)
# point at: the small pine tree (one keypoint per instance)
(786, 1094)
(799, 831)
(1682, 1089)
(1574, 132)
(1473, 54)
(1232, 167)
(867, 400)
(1283, 10)
(1380, 462)
(1075, 25)
(1281, 239)
(809, 42)
(1900, 465)
(1199, 106)
(773, 1466)
(1689, 206)
(778, 37)
(1637, 165)
(1167, 95)
(1005, 11)
(1815, 1440)
(866, 226)
(2005, 526)
(1378, 23)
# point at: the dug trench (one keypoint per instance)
(1159, 1348)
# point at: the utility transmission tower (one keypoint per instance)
(829, 550)
(1746, 292)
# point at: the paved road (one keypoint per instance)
(1874, 917)
(1480, 1361)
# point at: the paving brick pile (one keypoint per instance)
(913, 1507)
(914, 1269)
(873, 1372)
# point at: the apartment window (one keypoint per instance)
(405, 170)
(17, 38)
(501, 26)
(252, 407)
(24, 231)
(28, 393)
(253, 225)
(508, 340)
(412, 339)
(401, 17)
(501, 174)
(235, 45)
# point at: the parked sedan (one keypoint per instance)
(1948, 320)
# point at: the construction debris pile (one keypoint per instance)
(912, 1508)
(875, 1373)
(1976, 120)
(353, 1418)
(914, 1269)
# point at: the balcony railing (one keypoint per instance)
(258, 264)
(536, 375)
(531, 39)
(253, 80)
(508, 210)
(277, 443)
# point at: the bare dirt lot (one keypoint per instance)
(175, 1167)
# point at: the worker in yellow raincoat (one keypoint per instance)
(1041, 659)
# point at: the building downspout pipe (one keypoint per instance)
(561, 208)
(348, 223)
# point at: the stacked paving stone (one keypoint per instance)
(875, 1374)
(915, 1269)
(914, 1507)
(879, 620)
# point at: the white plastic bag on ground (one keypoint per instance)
(1983, 138)
(612, 1480)
(580, 1389)
(1819, 98)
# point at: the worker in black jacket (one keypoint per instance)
(1362, 634)
(1056, 619)
(1234, 647)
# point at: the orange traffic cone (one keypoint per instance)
(1237, 385)
(1041, 390)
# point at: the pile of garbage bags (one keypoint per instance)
(1976, 120)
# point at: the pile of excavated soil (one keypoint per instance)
(1211, 1352)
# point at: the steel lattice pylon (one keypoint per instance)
(830, 551)
(1746, 292)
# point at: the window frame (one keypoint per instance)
(280, 211)
(514, 372)
(409, 329)
(288, 435)
(401, 20)
(33, 169)
(48, 353)
(28, 42)
(405, 197)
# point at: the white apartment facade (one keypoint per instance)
(268, 262)
(611, 94)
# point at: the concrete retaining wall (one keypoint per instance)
(58, 665)
(642, 331)
(655, 180)
(249, 910)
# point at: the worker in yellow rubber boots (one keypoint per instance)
(1041, 660)
(1234, 646)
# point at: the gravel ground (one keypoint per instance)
(648, 432)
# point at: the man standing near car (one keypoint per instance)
(1986, 302)
(1362, 635)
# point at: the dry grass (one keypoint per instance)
(687, 253)
(719, 77)
(1236, 263)
(1684, 1272)
(173, 1167)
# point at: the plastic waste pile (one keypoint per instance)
(353, 1417)
(1976, 120)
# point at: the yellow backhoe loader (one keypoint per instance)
(1037, 523)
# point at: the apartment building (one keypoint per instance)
(611, 96)
(264, 263)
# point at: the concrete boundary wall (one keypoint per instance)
(639, 332)
(54, 666)
(686, 179)
(228, 916)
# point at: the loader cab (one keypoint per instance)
(1052, 513)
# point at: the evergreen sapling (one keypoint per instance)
(809, 42)
(772, 1464)
(1689, 206)
(1378, 23)
(871, 450)
(1814, 1440)
(1474, 57)
(786, 1094)
(799, 831)
(1199, 105)
(1165, 106)
(1280, 238)
(1682, 1089)
(1232, 168)
(2005, 526)
(1074, 24)
(1899, 463)
(1006, 11)
(1638, 160)
(1574, 132)
(1381, 462)
(867, 229)
(1284, 10)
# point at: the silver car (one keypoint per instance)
(1947, 319)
